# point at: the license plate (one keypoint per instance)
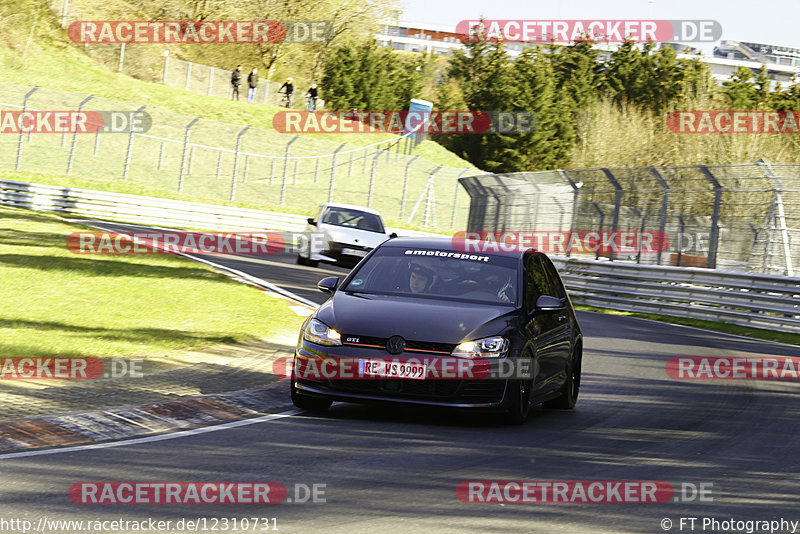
(354, 252)
(388, 369)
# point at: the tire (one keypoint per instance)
(571, 387)
(305, 261)
(312, 404)
(301, 260)
(519, 404)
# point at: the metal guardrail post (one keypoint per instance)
(333, 171)
(776, 183)
(286, 168)
(600, 230)
(576, 187)
(662, 216)
(236, 162)
(75, 136)
(129, 152)
(682, 223)
(405, 187)
(372, 178)
(183, 157)
(714, 239)
(455, 197)
(21, 134)
(617, 204)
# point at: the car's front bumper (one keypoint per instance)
(475, 392)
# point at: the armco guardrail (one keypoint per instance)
(144, 210)
(150, 210)
(756, 300)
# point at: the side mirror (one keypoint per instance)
(311, 221)
(329, 284)
(392, 235)
(548, 303)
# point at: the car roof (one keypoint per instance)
(350, 206)
(444, 243)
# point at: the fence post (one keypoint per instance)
(316, 170)
(272, 170)
(427, 194)
(778, 187)
(455, 197)
(21, 134)
(662, 216)
(246, 168)
(75, 136)
(364, 168)
(682, 223)
(713, 241)
(294, 175)
(219, 165)
(600, 230)
(210, 80)
(575, 193)
(183, 157)
(333, 171)
(188, 74)
(405, 187)
(161, 155)
(350, 165)
(130, 146)
(166, 66)
(372, 178)
(191, 161)
(236, 162)
(64, 9)
(121, 56)
(617, 205)
(286, 168)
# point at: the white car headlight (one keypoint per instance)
(318, 332)
(488, 347)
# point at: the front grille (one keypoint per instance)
(411, 346)
(454, 391)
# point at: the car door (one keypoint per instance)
(562, 324)
(540, 327)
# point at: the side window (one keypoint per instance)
(554, 281)
(536, 283)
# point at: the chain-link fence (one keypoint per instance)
(741, 217)
(215, 161)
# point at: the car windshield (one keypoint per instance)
(439, 274)
(353, 218)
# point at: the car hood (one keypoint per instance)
(416, 319)
(353, 236)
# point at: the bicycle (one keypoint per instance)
(286, 100)
(311, 102)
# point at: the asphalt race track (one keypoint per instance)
(397, 469)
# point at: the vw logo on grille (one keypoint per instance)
(395, 345)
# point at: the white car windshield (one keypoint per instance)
(352, 218)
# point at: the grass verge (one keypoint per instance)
(758, 333)
(58, 304)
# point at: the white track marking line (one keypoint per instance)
(150, 439)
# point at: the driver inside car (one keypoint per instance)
(421, 278)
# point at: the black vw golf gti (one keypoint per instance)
(429, 321)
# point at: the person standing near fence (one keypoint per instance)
(313, 92)
(252, 81)
(236, 81)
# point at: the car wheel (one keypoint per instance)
(301, 260)
(569, 391)
(519, 403)
(305, 261)
(311, 404)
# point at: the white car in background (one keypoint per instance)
(341, 234)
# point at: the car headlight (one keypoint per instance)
(318, 332)
(488, 347)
